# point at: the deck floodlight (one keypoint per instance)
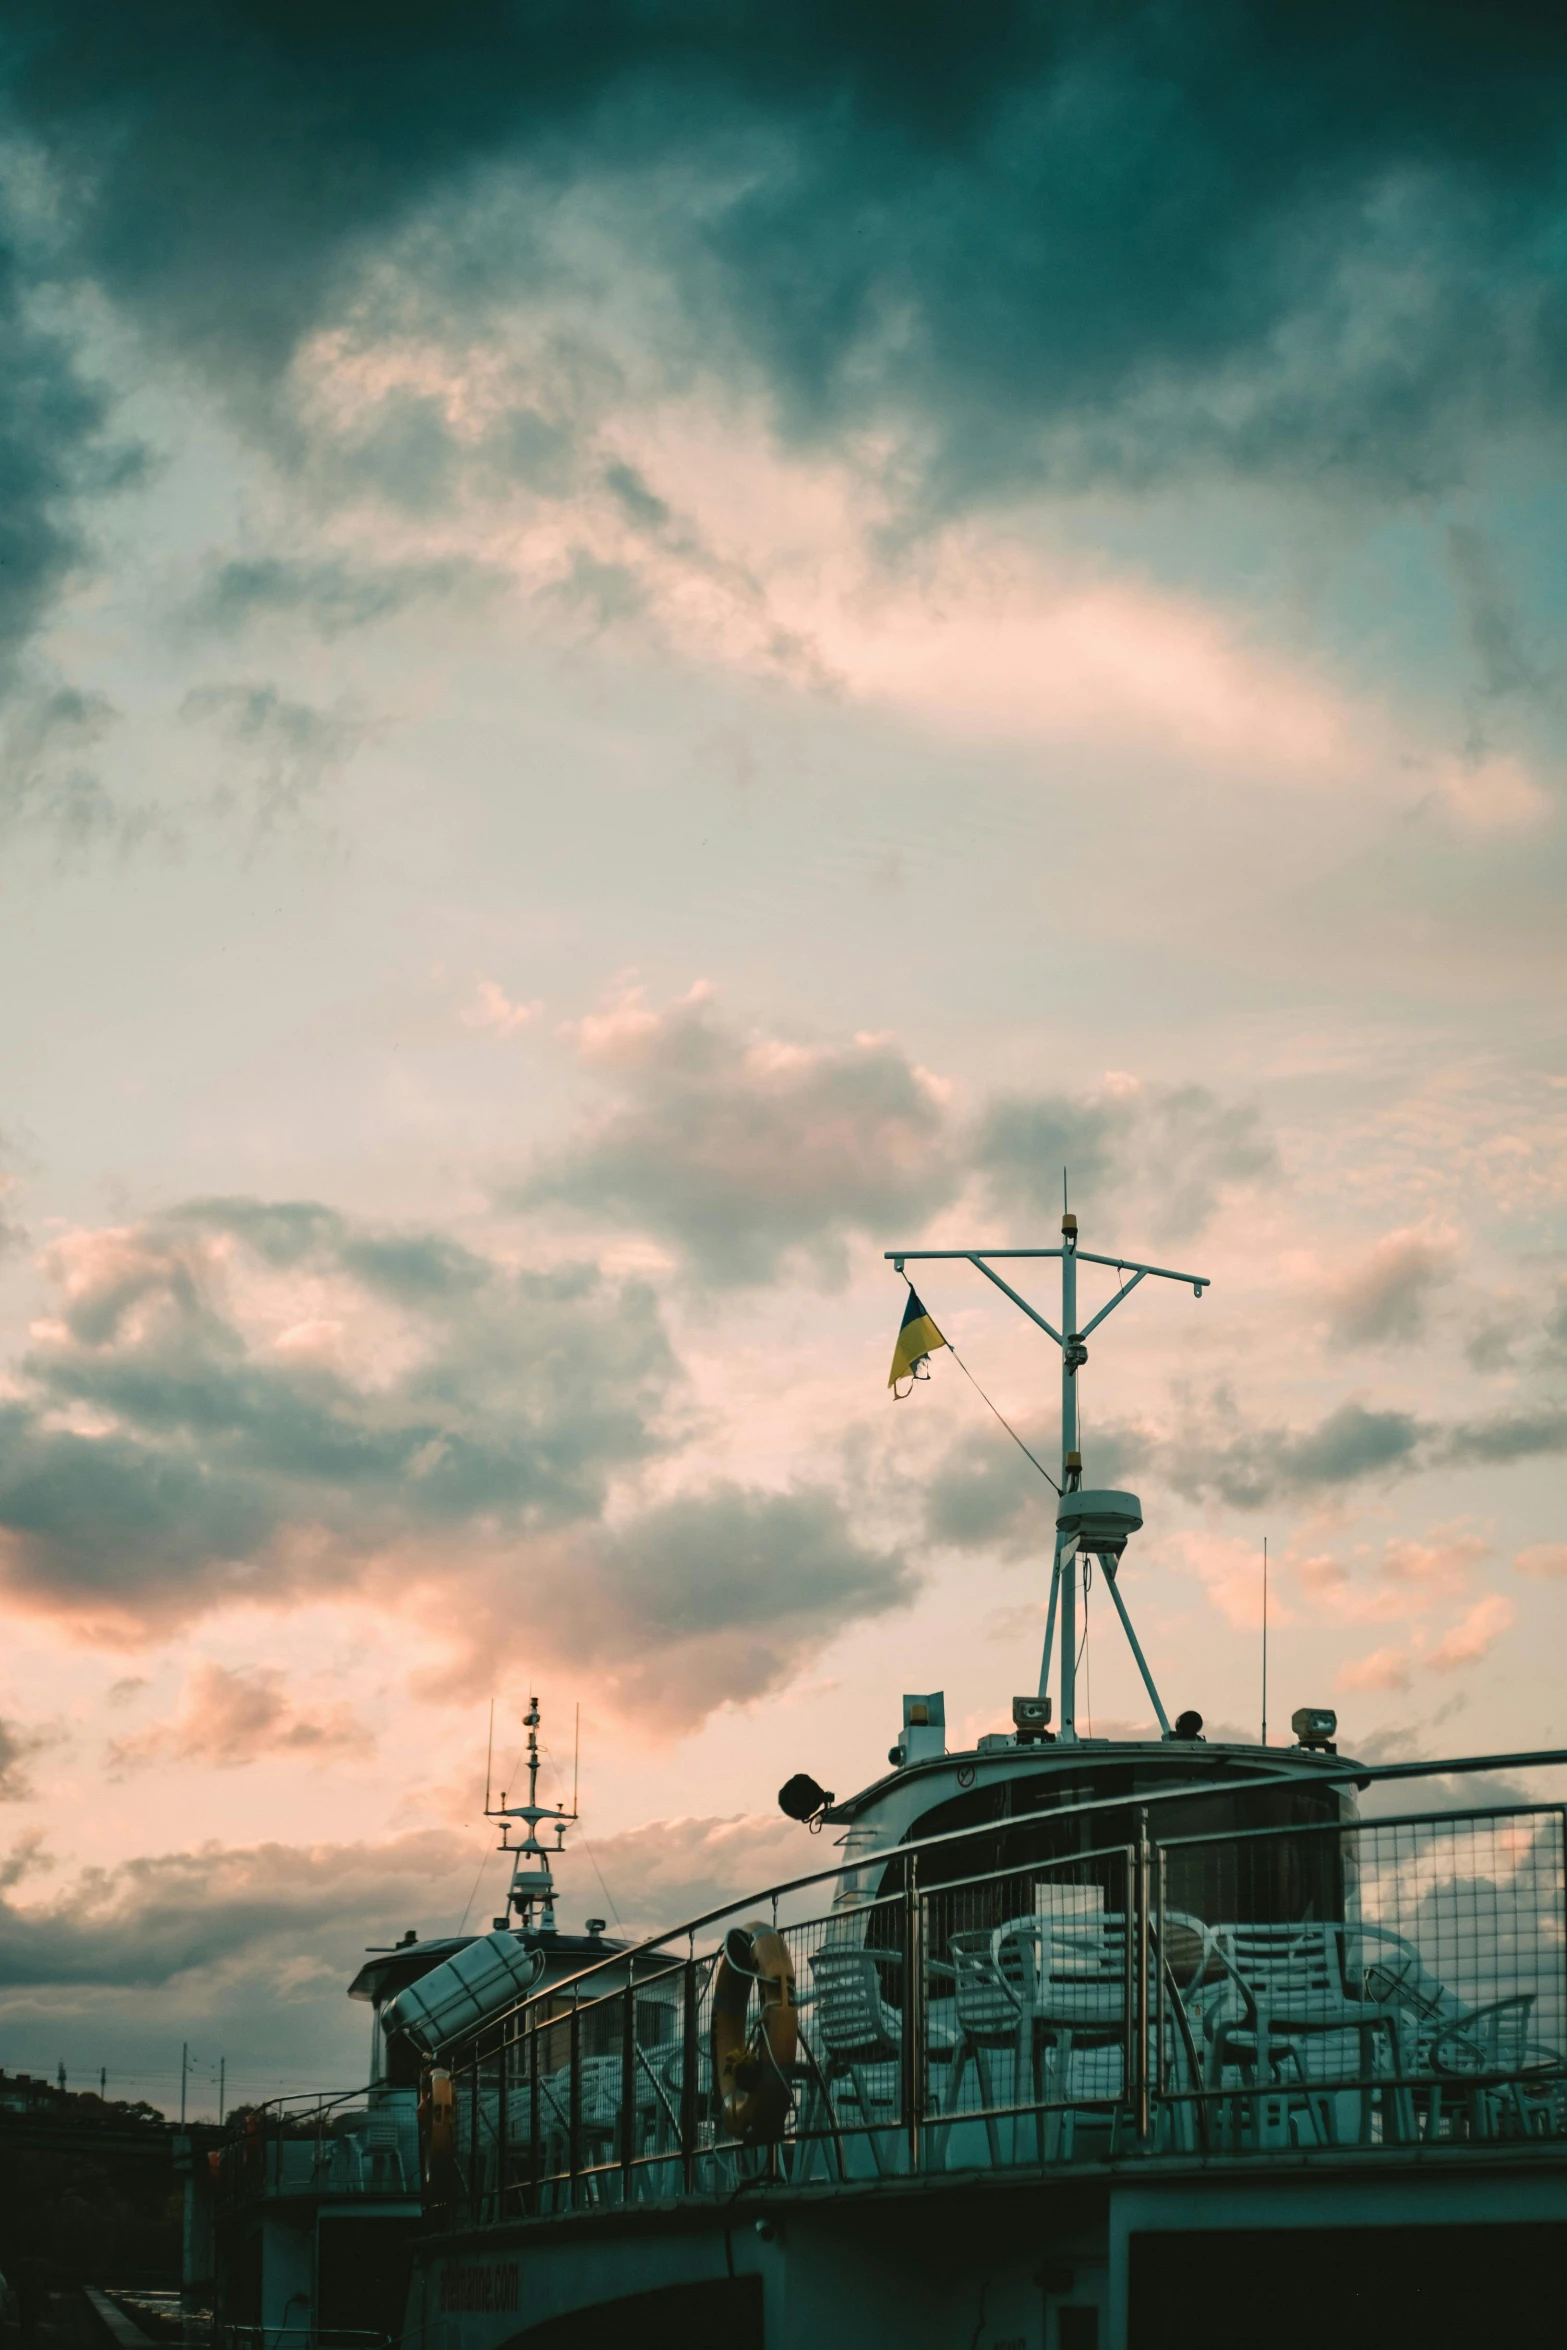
(1315, 1726)
(1031, 1719)
(800, 1798)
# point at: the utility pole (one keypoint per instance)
(184, 2068)
(222, 2071)
(103, 2083)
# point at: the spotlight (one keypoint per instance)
(1188, 1725)
(1315, 1727)
(1031, 1720)
(800, 1798)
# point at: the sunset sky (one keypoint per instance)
(650, 648)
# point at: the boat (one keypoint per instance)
(1052, 2043)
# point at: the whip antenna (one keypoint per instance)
(1265, 1640)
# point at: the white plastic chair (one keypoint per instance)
(860, 2033)
(1067, 1969)
(1286, 1984)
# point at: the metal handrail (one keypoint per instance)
(311, 2337)
(1170, 2031)
(1359, 1775)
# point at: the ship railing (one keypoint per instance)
(1393, 1983)
(352, 2143)
(257, 2337)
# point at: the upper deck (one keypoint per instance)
(1239, 1994)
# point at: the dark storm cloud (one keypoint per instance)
(743, 1150)
(714, 1597)
(182, 1434)
(18, 1745)
(231, 1914)
(1506, 660)
(1057, 240)
(509, 1400)
(1508, 1436)
(157, 1920)
(984, 1495)
(1246, 1465)
(279, 751)
(331, 593)
(53, 450)
(740, 1150)
(48, 781)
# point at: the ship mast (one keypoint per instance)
(532, 1886)
(1092, 1525)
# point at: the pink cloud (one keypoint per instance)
(1385, 1668)
(491, 1008)
(1473, 1635)
(235, 1717)
(1380, 1300)
(1442, 1561)
(1543, 1558)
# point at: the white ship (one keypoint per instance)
(1056, 2043)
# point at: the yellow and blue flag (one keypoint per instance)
(918, 1339)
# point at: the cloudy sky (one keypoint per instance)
(647, 651)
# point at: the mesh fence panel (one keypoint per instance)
(1383, 1983)
(1413, 1994)
(1028, 2013)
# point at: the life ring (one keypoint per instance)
(751, 2067)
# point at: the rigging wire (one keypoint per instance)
(1000, 1415)
(490, 1850)
(583, 1841)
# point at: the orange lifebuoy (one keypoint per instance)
(751, 2065)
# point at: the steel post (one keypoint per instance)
(535, 2151)
(504, 2068)
(473, 2143)
(1143, 1891)
(688, 2075)
(574, 2099)
(1066, 1560)
(913, 2014)
(1050, 1619)
(628, 2087)
(1107, 1566)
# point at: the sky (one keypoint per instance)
(648, 651)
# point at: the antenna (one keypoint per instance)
(1089, 1524)
(532, 1886)
(1265, 1640)
(576, 1759)
(489, 1759)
